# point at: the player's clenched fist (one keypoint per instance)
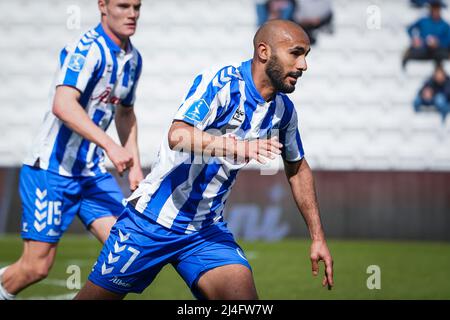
(120, 157)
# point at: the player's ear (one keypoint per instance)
(263, 51)
(102, 6)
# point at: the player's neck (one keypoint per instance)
(262, 83)
(122, 43)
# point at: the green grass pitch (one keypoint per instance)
(282, 270)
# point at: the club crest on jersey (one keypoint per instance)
(76, 62)
(197, 111)
(239, 115)
(237, 119)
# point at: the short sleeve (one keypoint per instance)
(77, 67)
(292, 150)
(136, 74)
(206, 97)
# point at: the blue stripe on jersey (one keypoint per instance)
(167, 186)
(212, 89)
(284, 123)
(196, 83)
(71, 77)
(225, 113)
(249, 107)
(137, 74)
(252, 95)
(109, 42)
(138, 71)
(288, 110)
(217, 202)
(266, 124)
(115, 67)
(96, 158)
(189, 208)
(126, 74)
(283, 141)
(235, 97)
(246, 70)
(299, 144)
(214, 86)
(59, 147)
(95, 78)
(80, 162)
(110, 120)
(62, 57)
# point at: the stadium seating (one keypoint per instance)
(354, 103)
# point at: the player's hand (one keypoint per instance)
(259, 149)
(320, 252)
(432, 41)
(416, 42)
(120, 157)
(427, 94)
(135, 176)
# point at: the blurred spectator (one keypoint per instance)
(274, 9)
(435, 92)
(430, 36)
(418, 3)
(314, 15)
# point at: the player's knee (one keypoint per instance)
(232, 282)
(37, 270)
(242, 286)
(244, 290)
(42, 271)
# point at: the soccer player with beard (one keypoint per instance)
(229, 117)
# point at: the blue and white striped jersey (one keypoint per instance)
(106, 76)
(186, 192)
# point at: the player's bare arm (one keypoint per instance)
(301, 180)
(126, 126)
(183, 136)
(66, 107)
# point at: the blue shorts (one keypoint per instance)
(138, 248)
(51, 201)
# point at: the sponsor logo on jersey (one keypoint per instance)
(120, 282)
(198, 111)
(76, 62)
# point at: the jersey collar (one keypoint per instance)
(111, 44)
(248, 78)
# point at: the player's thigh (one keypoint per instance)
(101, 227)
(228, 282)
(217, 269)
(132, 256)
(102, 198)
(91, 291)
(49, 204)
